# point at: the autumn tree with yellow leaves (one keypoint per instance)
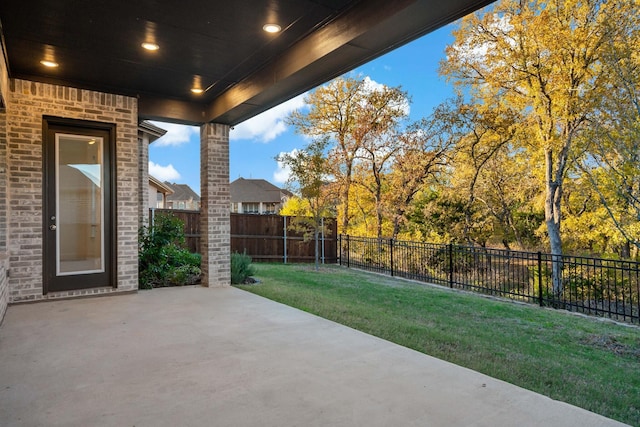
(545, 59)
(350, 114)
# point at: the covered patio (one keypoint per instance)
(195, 356)
(77, 80)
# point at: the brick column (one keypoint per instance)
(215, 240)
(3, 182)
(4, 257)
(143, 179)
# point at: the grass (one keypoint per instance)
(582, 361)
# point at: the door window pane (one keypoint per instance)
(80, 211)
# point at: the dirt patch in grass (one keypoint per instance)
(611, 343)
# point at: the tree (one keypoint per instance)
(348, 112)
(425, 149)
(611, 155)
(294, 206)
(506, 191)
(489, 129)
(309, 171)
(586, 225)
(543, 58)
(373, 169)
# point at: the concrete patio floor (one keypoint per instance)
(224, 357)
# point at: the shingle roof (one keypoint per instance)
(164, 188)
(256, 190)
(181, 192)
(152, 130)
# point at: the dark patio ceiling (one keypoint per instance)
(245, 70)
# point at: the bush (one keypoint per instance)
(161, 259)
(184, 275)
(241, 268)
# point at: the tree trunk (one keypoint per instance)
(345, 208)
(625, 251)
(378, 208)
(316, 235)
(345, 200)
(552, 217)
(396, 227)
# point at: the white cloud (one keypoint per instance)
(282, 174)
(176, 134)
(163, 173)
(373, 86)
(471, 51)
(267, 126)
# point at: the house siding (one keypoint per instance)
(27, 102)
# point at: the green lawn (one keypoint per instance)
(582, 361)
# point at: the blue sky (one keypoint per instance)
(254, 144)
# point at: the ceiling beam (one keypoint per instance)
(171, 110)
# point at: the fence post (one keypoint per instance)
(348, 252)
(285, 239)
(540, 278)
(450, 265)
(322, 240)
(391, 254)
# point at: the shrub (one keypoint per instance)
(184, 275)
(161, 260)
(241, 268)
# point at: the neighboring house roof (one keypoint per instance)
(181, 192)
(159, 185)
(256, 190)
(152, 130)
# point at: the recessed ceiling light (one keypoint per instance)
(150, 46)
(272, 28)
(50, 64)
(196, 87)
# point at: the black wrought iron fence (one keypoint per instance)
(594, 286)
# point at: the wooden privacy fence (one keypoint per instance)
(265, 238)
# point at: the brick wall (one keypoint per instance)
(143, 184)
(27, 102)
(4, 284)
(4, 258)
(214, 205)
(3, 182)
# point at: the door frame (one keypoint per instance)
(51, 123)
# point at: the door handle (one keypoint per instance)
(52, 227)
